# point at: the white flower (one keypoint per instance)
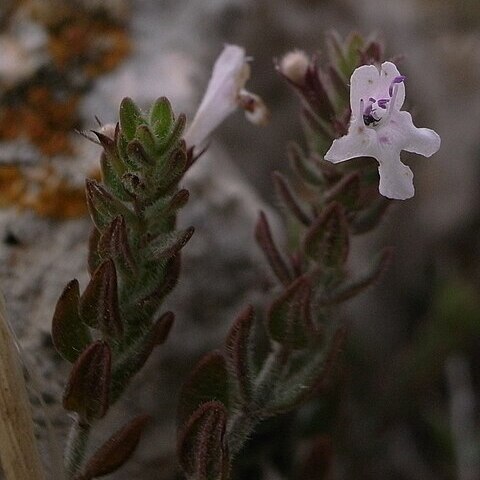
(379, 129)
(225, 93)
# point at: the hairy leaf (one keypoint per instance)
(130, 118)
(208, 381)
(99, 303)
(202, 449)
(327, 240)
(87, 389)
(288, 318)
(70, 336)
(264, 238)
(237, 345)
(116, 450)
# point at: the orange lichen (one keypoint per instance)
(43, 192)
(12, 185)
(44, 110)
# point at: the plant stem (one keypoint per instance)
(245, 421)
(76, 447)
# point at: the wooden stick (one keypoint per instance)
(18, 448)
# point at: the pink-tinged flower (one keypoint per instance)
(379, 129)
(225, 93)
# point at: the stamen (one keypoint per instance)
(392, 101)
(371, 99)
(382, 103)
(399, 79)
(361, 108)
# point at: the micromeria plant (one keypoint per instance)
(232, 390)
(109, 331)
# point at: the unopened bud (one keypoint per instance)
(294, 66)
(108, 130)
(254, 107)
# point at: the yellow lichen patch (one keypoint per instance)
(81, 45)
(43, 191)
(59, 200)
(12, 185)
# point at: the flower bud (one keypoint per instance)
(294, 66)
(254, 107)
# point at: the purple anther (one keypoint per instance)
(371, 99)
(398, 79)
(382, 103)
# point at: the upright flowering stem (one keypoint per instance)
(110, 329)
(325, 206)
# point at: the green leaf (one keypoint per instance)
(175, 135)
(112, 181)
(208, 381)
(130, 118)
(139, 352)
(170, 171)
(139, 154)
(160, 215)
(166, 246)
(104, 207)
(312, 375)
(145, 136)
(355, 44)
(164, 286)
(162, 118)
(70, 336)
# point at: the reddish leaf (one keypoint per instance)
(114, 243)
(264, 238)
(99, 303)
(208, 381)
(237, 352)
(70, 336)
(202, 449)
(353, 288)
(87, 389)
(327, 240)
(291, 202)
(116, 450)
(288, 318)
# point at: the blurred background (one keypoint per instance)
(406, 402)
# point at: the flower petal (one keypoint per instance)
(360, 141)
(396, 179)
(229, 75)
(423, 141)
(388, 73)
(363, 83)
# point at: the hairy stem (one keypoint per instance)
(76, 447)
(244, 422)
